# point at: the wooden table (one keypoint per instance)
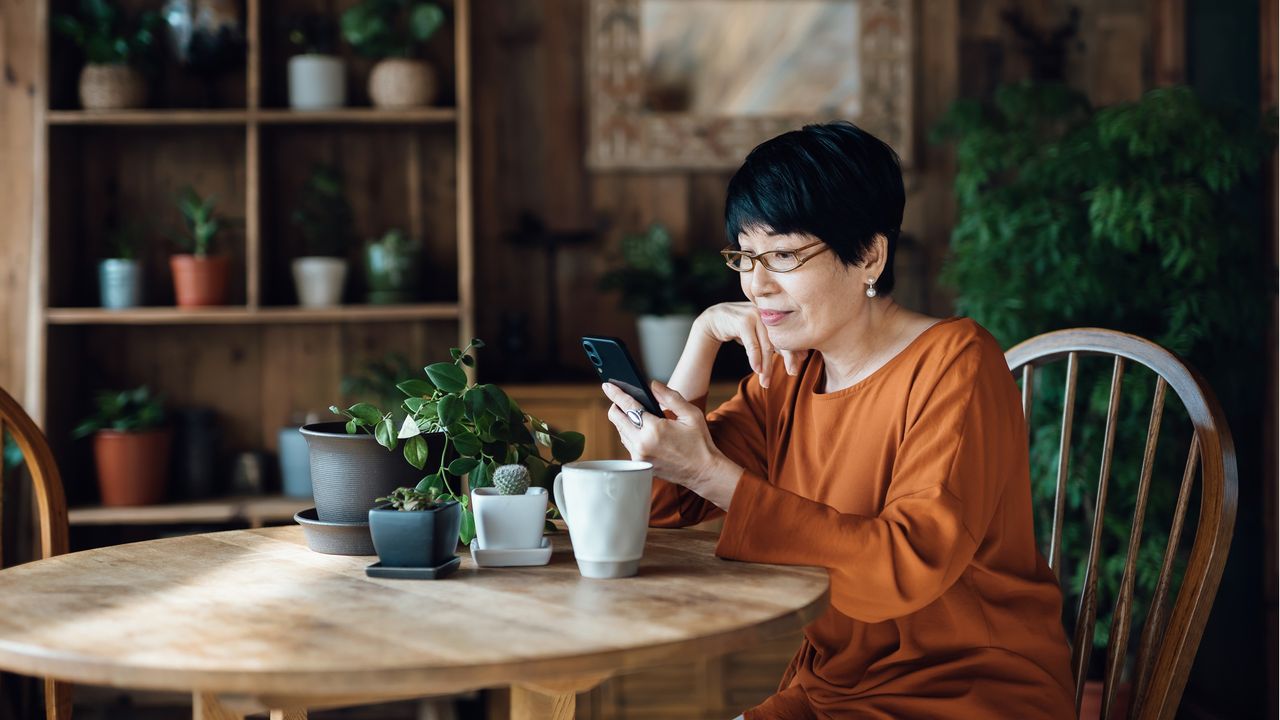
(250, 620)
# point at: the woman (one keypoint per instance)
(884, 445)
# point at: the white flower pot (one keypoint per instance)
(319, 281)
(317, 82)
(662, 339)
(509, 522)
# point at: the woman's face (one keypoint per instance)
(807, 307)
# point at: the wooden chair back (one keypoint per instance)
(51, 509)
(1169, 640)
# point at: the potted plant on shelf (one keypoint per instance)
(416, 529)
(482, 429)
(393, 264)
(113, 46)
(390, 31)
(317, 75)
(120, 274)
(199, 277)
(666, 291)
(324, 218)
(130, 446)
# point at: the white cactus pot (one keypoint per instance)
(509, 522)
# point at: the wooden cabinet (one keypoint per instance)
(261, 358)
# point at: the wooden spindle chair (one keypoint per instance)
(1169, 641)
(51, 509)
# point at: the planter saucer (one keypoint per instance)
(335, 538)
(525, 557)
(414, 573)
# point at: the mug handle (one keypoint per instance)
(557, 488)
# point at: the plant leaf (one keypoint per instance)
(447, 376)
(415, 451)
(462, 466)
(416, 388)
(450, 408)
(467, 443)
(366, 413)
(567, 447)
(467, 529)
(408, 429)
(385, 432)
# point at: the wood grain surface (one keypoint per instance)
(255, 612)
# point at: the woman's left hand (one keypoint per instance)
(680, 449)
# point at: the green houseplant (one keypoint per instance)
(417, 529)
(114, 46)
(1124, 217)
(393, 266)
(199, 276)
(482, 428)
(391, 31)
(325, 220)
(666, 291)
(130, 446)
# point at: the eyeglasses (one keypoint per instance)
(779, 261)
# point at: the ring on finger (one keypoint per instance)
(637, 417)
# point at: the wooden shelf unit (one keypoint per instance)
(252, 511)
(261, 358)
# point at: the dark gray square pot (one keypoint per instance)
(415, 538)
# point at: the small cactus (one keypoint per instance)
(511, 479)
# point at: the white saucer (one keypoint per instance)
(511, 558)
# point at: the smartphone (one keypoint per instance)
(614, 364)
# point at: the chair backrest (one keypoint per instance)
(1169, 641)
(51, 504)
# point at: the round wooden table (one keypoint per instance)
(250, 620)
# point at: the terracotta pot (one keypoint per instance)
(401, 83)
(111, 87)
(1091, 701)
(133, 467)
(200, 281)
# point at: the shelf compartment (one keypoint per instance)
(251, 511)
(358, 116)
(251, 316)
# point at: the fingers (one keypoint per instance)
(620, 398)
(792, 361)
(672, 400)
(767, 350)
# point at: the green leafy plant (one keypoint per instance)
(313, 34)
(396, 242)
(482, 426)
(390, 28)
(655, 281)
(123, 410)
(201, 223)
(107, 36)
(410, 499)
(1123, 217)
(324, 215)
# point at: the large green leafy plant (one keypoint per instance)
(390, 28)
(1124, 218)
(107, 35)
(483, 429)
(654, 280)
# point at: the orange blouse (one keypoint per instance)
(912, 488)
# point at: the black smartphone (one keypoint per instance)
(614, 364)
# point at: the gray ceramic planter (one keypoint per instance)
(350, 472)
(416, 538)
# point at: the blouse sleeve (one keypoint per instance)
(738, 430)
(946, 481)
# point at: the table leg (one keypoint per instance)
(207, 706)
(530, 704)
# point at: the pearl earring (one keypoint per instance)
(871, 288)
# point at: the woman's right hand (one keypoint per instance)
(739, 322)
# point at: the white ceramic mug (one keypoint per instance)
(606, 506)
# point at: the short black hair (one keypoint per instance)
(834, 181)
